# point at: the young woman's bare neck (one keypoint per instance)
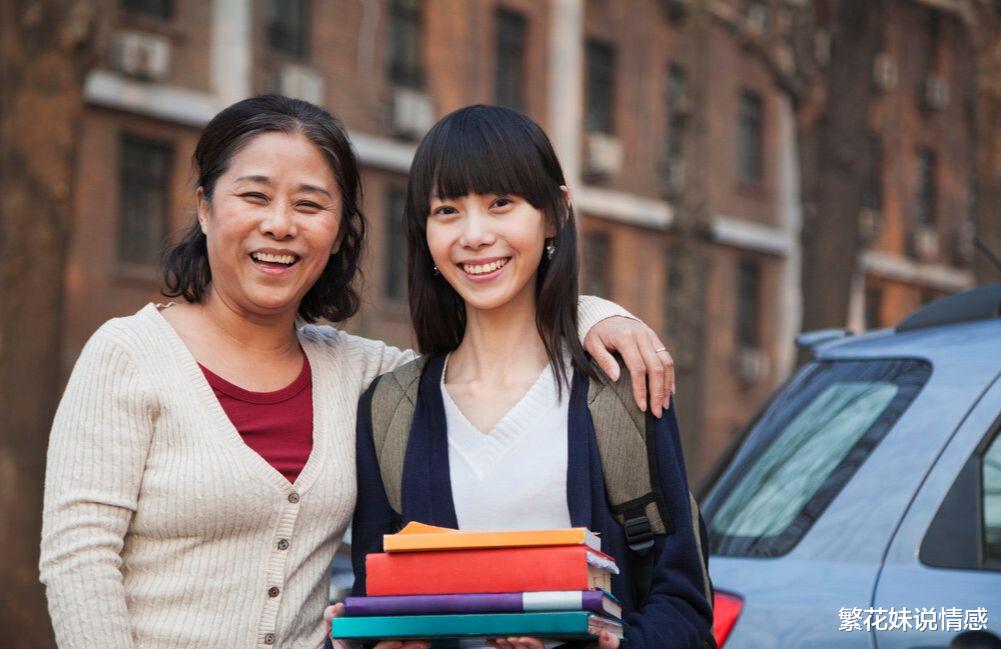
(499, 343)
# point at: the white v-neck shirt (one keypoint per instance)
(515, 475)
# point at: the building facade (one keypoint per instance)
(609, 83)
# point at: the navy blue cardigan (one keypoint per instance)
(675, 615)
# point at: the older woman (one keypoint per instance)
(201, 464)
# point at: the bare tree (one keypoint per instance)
(46, 47)
(820, 54)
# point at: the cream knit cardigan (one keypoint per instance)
(162, 528)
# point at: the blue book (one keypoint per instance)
(564, 625)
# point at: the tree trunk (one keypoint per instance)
(836, 161)
(987, 39)
(693, 226)
(45, 48)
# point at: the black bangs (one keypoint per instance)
(485, 150)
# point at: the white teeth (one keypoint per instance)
(483, 269)
(277, 259)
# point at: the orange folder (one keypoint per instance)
(418, 537)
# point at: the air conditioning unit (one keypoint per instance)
(673, 182)
(750, 365)
(604, 156)
(301, 82)
(140, 55)
(885, 72)
(925, 243)
(412, 113)
(935, 92)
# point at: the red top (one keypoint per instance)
(277, 425)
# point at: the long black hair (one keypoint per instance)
(492, 150)
(334, 296)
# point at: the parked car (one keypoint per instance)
(870, 483)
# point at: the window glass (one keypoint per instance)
(750, 137)
(406, 66)
(991, 475)
(600, 87)
(597, 260)
(803, 449)
(396, 252)
(509, 79)
(288, 27)
(162, 9)
(143, 199)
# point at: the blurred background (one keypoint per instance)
(742, 171)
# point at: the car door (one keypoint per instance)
(942, 572)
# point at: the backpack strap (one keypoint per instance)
(394, 399)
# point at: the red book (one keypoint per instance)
(501, 570)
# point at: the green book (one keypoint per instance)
(569, 625)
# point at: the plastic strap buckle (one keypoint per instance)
(639, 534)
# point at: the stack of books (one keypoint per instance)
(442, 584)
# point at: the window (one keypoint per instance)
(406, 67)
(749, 141)
(288, 27)
(873, 198)
(600, 87)
(748, 303)
(677, 108)
(509, 73)
(395, 283)
(927, 191)
(803, 449)
(597, 257)
(163, 9)
(991, 476)
(144, 170)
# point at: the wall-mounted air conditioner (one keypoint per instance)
(603, 159)
(140, 55)
(301, 82)
(412, 113)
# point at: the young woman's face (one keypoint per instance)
(487, 247)
(272, 224)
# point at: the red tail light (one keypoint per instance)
(726, 610)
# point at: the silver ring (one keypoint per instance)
(662, 349)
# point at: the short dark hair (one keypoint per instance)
(334, 296)
(492, 150)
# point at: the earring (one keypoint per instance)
(550, 249)
(436, 271)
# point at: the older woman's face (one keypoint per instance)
(271, 225)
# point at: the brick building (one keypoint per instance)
(608, 81)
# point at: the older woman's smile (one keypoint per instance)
(274, 261)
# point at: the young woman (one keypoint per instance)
(501, 420)
(200, 471)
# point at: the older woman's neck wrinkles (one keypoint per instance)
(260, 334)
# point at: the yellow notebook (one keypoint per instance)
(417, 537)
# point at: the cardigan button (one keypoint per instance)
(283, 544)
(273, 591)
(269, 638)
(293, 497)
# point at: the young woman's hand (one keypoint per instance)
(644, 356)
(338, 609)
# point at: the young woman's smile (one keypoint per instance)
(487, 247)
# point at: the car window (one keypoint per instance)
(803, 449)
(991, 490)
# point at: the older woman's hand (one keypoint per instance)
(645, 356)
(605, 641)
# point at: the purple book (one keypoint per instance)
(562, 600)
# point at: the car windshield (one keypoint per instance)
(803, 449)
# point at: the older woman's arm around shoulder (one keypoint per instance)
(97, 451)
